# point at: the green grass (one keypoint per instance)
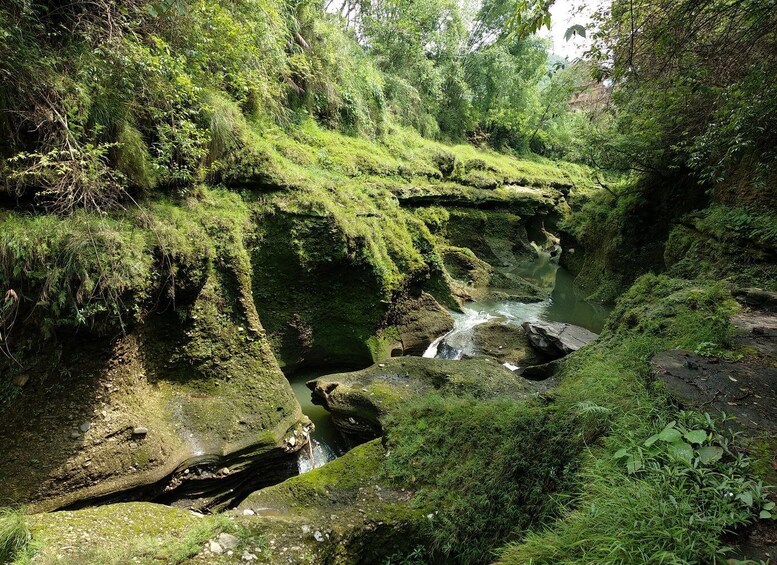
(483, 470)
(15, 536)
(666, 511)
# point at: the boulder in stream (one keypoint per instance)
(507, 343)
(557, 339)
(359, 400)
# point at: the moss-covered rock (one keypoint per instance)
(122, 533)
(188, 403)
(360, 400)
(345, 512)
(507, 343)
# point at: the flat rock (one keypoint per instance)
(228, 541)
(742, 390)
(507, 343)
(557, 339)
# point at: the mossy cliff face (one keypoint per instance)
(349, 262)
(328, 297)
(189, 399)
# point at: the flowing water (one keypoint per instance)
(566, 304)
(327, 441)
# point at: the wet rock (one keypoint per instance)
(419, 321)
(556, 339)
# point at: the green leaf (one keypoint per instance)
(696, 436)
(746, 497)
(765, 515)
(710, 454)
(651, 440)
(681, 451)
(769, 506)
(633, 463)
(670, 435)
(621, 453)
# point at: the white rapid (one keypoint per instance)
(321, 452)
(458, 342)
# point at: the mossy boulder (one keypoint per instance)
(507, 343)
(136, 532)
(345, 512)
(361, 399)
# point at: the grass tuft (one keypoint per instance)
(15, 536)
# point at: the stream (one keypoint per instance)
(328, 442)
(566, 304)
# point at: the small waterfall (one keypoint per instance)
(458, 342)
(322, 454)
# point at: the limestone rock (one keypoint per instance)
(557, 339)
(419, 320)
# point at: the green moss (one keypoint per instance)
(720, 242)
(373, 393)
(484, 470)
(123, 533)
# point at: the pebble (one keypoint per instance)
(85, 427)
(140, 431)
(215, 548)
(318, 536)
(248, 512)
(228, 541)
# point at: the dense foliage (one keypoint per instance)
(102, 101)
